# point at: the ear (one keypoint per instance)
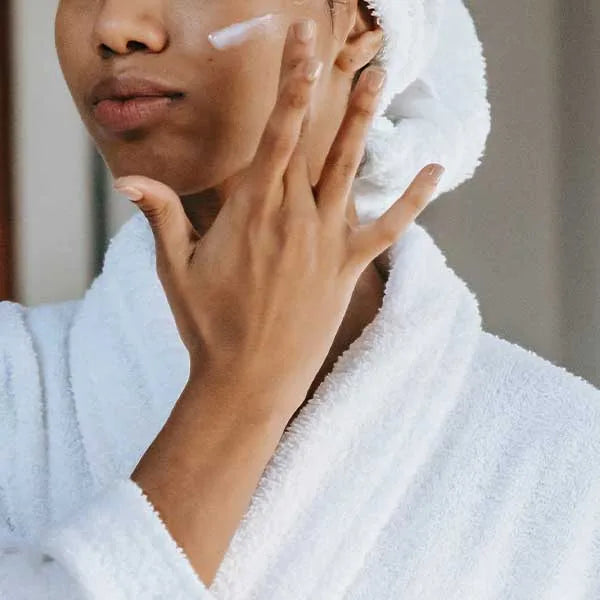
(363, 41)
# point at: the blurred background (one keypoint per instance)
(523, 233)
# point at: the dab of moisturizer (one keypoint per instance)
(238, 33)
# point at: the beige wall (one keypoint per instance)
(52, 188)
(523, 233)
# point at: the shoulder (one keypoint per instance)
(32, 356)
(544, 421)
(29, 336)
(18, 321)
(520, 368)
(15, 316)
(537, 397)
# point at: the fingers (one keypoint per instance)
(282, 130)
(173, 232)
(346, 152)
(371, 240)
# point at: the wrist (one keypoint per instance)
(236, 403)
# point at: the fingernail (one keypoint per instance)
(435, 171)
(304, 30)
(130, 192)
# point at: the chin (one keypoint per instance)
(181, 174)
(183, 164)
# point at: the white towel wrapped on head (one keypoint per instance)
(433, 107)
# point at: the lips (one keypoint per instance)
(124, 103)
(124, 115)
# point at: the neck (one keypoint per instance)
(202, 208)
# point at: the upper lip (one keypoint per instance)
(121, 87)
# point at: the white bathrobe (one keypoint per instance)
(436, 460)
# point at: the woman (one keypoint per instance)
(263, 395)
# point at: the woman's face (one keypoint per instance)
(213, 130)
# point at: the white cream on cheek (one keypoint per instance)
(238, 33)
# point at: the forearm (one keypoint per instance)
(203, 468)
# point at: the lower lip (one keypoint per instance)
(124, 115)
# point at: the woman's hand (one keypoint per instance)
(261, 295)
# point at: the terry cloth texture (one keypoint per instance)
(434, 460)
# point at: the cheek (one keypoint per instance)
(64, 49)
(64, 28)
(71, 45)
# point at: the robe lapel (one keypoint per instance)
(346, 460)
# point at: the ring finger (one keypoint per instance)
(347, 149)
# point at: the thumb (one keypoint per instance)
(172, 230)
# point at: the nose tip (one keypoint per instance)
(131, 46)
(124, 35)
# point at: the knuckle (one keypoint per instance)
(361, 110)
(284, 143)
(278, 139)
(158, 215)
(354, 264)
(258, 219)
(297, 238)
(298, 227)
(341, 164)
(416, 200)
(387, 232)
(332, 159)
(294, 64)
(296, 97)
(347, 169)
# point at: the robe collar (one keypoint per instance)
(344, 462)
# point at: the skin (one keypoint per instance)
(229, 96)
